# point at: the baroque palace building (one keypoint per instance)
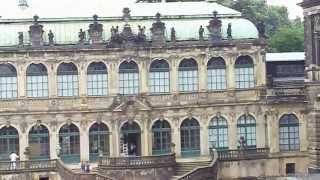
(148, 79)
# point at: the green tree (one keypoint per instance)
(288, 39)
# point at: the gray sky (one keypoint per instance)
(294, 9)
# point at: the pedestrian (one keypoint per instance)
(13, 160)
(87, 167)
(83, 167)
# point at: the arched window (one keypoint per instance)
(39, 142)
(98, 140)
(97, 82)
(188, 75)
(8, 81)
(216, 74)
(159, 77)
(161, 141)
(244, 72)
(37, 81)
(69, 140)
(247, 129)
(128, 78)
(9, 142)
(67, 80)
(218, 133)
(289, 133)
(190, 137)
(130, 139)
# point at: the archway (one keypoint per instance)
(130, 139)
(39, 142)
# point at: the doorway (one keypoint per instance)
(130, 140)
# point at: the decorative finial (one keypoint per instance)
(158, 16)
(126, 14)
(95, 18)
(215, 13)
(35, 19)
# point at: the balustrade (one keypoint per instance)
(247, 154)
(137, 162)
(27, 166)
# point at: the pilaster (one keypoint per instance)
(53, 144)
(230, 72)
(232, 134)
(23, 143)
(204, 140)
(21, 80)
(143, 74)
(174, 76)
(84, 145)
(82, 80)
(52, 81)
(203, 75)
(113, 79)
(261, 132)
(176, 139)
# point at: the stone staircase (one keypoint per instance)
(183, 168)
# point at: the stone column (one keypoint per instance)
(23, 143)
(303, 133)
(260, 132)
(21, 80)
(52, 81)
(176, 138)
(84, 145)
(54, 141)
(113, 79)
(232, 134)
(82, 80)
(260, 70)
(203, 75)
(230, 72)
(174, 76)
(204, 140)
(273, 133)
(145, 140)
(143, 74)
(116, 140)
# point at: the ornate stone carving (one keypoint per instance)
(173, 35)
(229, 31)
(51, 37)
(95, 31)
(158, 32)
(214, 28)
(20, 37)
(82, 36)
(36, 32)
(201, 32)
(23, 125)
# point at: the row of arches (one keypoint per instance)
(128, 80)
(130, 134)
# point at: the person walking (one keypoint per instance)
(13, 160)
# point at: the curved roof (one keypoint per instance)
(108, 8)
(65, 25)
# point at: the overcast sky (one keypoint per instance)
(294, 9)
(10, 5)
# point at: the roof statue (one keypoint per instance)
(82, 36)
(95, 31)
(201, 31)
(36, 32)
(158, 32)
(214, 28)
(229, 31)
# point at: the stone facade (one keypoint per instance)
(311, 13)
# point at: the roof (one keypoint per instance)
(66, 20)
(287, 56)
(108, 8)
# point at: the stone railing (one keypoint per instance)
(67, 174)
(7, 167)
(37, 166)
(248, 154)
(137, 162)
(202, 173)
(286, 94)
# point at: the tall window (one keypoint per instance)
(216, 74)
(37, 81)
(8, 81)
(39, 142)
(188, 75)
(161, 137)
(97, 79)
(244, 72)
(69, 140)
(289, 133)
(67, 80)
(128, 78)
(247, 129)
(9, 142)
(159, 78)
(190, 137)
(98, 140)
(218, 133)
